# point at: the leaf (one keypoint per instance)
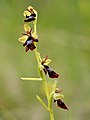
(33, 79)
(40, 100)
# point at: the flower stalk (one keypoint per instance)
(49, 97)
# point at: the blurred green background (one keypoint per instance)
(64, 35)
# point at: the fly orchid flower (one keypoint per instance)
(27, 39)
(58, 99)
(30, 14)
(47, 69)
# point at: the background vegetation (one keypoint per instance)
(64, 35)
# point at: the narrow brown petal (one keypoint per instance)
(35, 40)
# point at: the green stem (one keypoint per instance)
(42, 76)
(36, 56)
(51, 115)
(50, 106)
(35, 27)
(45, 86)
(49, 97)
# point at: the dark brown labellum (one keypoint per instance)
(51, 73)
(30, 44)
(61, 104)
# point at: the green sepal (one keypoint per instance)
(33, 79)
(40, 100)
